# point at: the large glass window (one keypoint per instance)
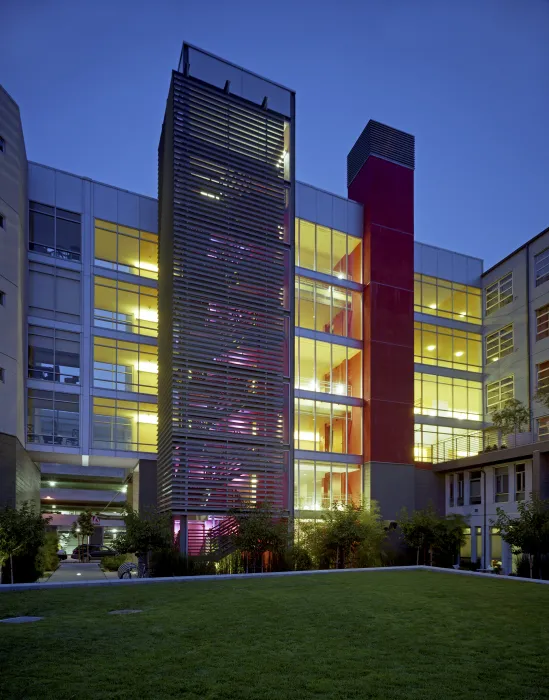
(520, 481)
(542, 322)
(499, 393)
(124, 366)
(327, 427)
(447, 347)
(126, 307)
(499, 293)
(55, 232)
(447, 299)
(447, 397)
(475, 496)
(126, 249)
(499, 344)
(541, 267)
(319, 484)
(437, 443)
(328, 368)
(53, 418)
(124, 425)
(54, 355)
(326, 250)
(327, 308)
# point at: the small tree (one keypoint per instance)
(21, 530)
(419, 530)
(347, 535)
(425, 530)
(513, 417)
(259, 529)
(83, 529)
(145, 533)
(529, 532)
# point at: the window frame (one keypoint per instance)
(501, 296)
(500, 343)
(497, 405)
(460, 500)
(475, 500)
(542, 375)
(56, 213)
(501, 479)
(520, 493)
(424, 282)
(545, 433)
(541, 279)
(57, 339)
(542, 319)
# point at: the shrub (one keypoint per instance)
(173, 563)
(47, 559)
(113, 563)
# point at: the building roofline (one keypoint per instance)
(517, 250)
(230, 63)
(449, 250)
(89, 179)
(332, 194)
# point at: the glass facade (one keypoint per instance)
(123, 366)
(322, 426)
(328, 251)
(53, 418)
(447, 397)
(328, 368)
(54, 355)
(124, 425)
(328, 308)
(447, 347)
(126, 249)
(54, 232)
(446, 299)
(318, 484)
(121, 306)
(437, 443)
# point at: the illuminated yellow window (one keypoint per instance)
(328, 251)
(327, 427)
(126, 249)
(447, 347)
(320, 484)
(129, 426)
(122, 366)
(328, 368)
(447, 397)
(125, 307)
(328, 308)
(436, 443)
(438, 297)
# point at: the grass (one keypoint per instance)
(388, 635)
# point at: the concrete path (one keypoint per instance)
(72, 571)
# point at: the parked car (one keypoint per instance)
(95, 552)
(62, 554)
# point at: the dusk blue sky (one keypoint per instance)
(469, 79)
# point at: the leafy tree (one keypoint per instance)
(542, 396)
(21, 531)
(513, 417)
(419, 530)
(529, 532)
(145, 532)
(347, 535)
(259, 529)
(428, 532)
(47, 558)
(83, 529)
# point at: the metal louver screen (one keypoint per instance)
(224, 326)
(380, 140)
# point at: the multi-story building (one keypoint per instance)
(265, 339)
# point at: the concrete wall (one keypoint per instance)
(19, 475)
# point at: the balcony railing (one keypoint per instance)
(324, 386)
(476, 443)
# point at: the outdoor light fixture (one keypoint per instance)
(54, 507)
(52, 483)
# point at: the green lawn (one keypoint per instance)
(415, 634)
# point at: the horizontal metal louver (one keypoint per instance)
(380, 140)
(224, 313)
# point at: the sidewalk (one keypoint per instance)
(70, 571)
